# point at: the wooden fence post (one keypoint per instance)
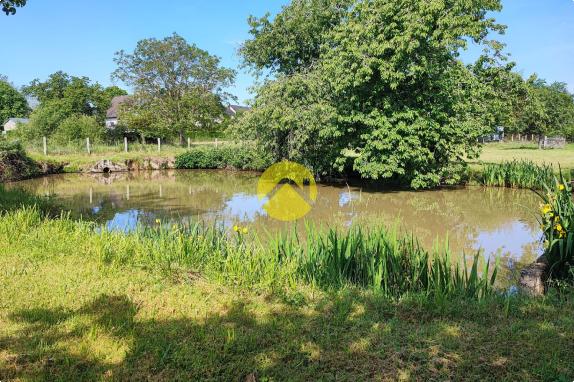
(159, 145)
(188, 143)
(126, 144)
(88, 145)
(45, 145)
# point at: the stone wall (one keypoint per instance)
(552, 143)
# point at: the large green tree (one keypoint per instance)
(12, 103)
(388, 95)
(178, 87)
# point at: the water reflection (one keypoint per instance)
(496, 221)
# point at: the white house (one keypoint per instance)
(113, 111)
(12, 124)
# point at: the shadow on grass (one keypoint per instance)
(345, 337)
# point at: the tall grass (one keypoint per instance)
(557, 223)
(517, 174)
(383, 260)
(378, 259)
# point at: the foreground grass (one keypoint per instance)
(72, 309)
(504, 152)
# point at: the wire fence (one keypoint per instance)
(88, 146)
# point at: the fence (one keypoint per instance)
(88, 147)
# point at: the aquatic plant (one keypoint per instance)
(383, 260)
(557, 223)
(517, 174)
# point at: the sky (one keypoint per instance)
(80, 37)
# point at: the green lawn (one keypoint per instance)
(499, 152)
(77, 158)
(69, 313)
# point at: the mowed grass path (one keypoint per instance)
(66, 314)
(500, 152)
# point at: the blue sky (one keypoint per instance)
(80, 37)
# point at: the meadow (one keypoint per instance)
(508, 151)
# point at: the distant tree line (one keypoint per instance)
(179, 90)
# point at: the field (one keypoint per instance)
(499, 152)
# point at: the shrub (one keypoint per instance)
(14, 163)
(77, 128)
(241, 157)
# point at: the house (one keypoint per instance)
(12, 124)
(113, 111)
(233, 110)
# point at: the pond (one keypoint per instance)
(494, 221)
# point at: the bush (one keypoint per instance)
(14, 163)
(77, 128)
(237, 156)
(44, 121)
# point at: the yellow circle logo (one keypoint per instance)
(284, 185)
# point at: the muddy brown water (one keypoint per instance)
(495, 221)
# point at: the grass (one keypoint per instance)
(77, 157)
(501, 152)
(73, 310)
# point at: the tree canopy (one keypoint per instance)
(76, 95)
(178, 87)
(62, 97)
(9, 6)
(12, 103)
(379, 86)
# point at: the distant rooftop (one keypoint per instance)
(234, 109)
(114, 108)
(17, 120)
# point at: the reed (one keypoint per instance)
(517, 174)
(557, 223)
(383, 260)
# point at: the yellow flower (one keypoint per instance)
(556, 219)
(157, 221)
(245, 230)
(561, 187)
(559, 228)
(236, 228)
(562, 234)
(546, 208)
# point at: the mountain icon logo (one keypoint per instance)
(290, 189)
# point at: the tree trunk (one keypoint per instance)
(181, 138)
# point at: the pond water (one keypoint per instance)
(491, 220)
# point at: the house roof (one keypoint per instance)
(16, 120)
(114, 108)
(234, 109)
